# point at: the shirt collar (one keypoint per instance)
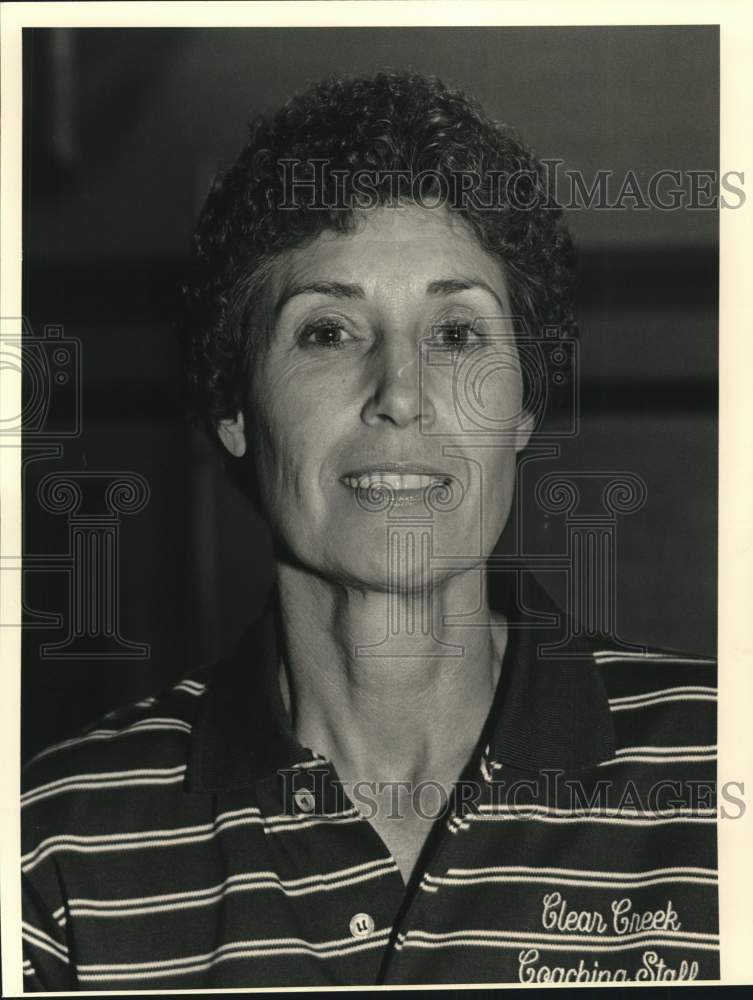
(549, 710)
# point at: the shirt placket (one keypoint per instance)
(310, 792)
(421, 908)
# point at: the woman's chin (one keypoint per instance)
(386, 550)
(412, 571)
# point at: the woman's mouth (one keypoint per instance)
(396, 482)
(378, 487)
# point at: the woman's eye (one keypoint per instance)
(455, 336)
(324, 334)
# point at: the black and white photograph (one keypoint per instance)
(368, 462)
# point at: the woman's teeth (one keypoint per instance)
(393, 481)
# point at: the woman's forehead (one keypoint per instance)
(400, 246)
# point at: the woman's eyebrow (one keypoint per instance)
(335, 289)
(352, 290)
(449, 286)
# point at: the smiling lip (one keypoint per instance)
(402, 477)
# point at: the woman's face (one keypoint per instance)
(388, 398)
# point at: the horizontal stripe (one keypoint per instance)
(140, 838)
(111, 779)
(190, 687)
(103, 734)
(633, 755)
(239, 949)
(607, 656)
(660, 700)
(32, 935)
(699, 689)
(574, 877)
(433, 882)
(185, 835)
(605, 811)
(523, 942)
(249, 881)
(689, 938)
(608, 820)
(665, 750)
(122, 710)
(318, 761)
(186, 686)
(548, 814)
(694, 758)
(302, 821)
(588, 872)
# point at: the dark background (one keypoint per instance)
(123, 130)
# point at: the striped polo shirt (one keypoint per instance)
(189, 841)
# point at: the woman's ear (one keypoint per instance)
(233, 435)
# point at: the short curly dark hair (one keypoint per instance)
(386, 124)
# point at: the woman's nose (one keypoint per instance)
(397, 393)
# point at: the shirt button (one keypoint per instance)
(362, 925)
(304, 799)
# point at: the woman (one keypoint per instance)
(331, 804)
(332, 396)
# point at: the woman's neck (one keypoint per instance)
(382, 684)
